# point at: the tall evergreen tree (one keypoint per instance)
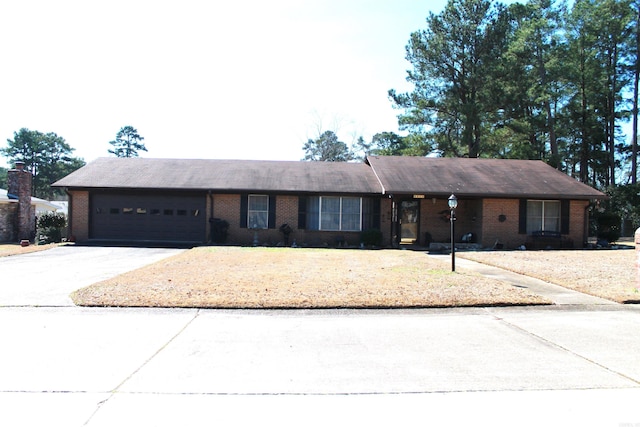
(46, 155)
(451, 61)
(599, 50)
(127, 143)
(536, 72)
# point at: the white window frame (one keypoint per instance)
(543, 217)
(257, 211)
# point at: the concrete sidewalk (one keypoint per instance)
(557, 294)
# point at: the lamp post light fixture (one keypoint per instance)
(453, 204)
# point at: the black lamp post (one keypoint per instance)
(453, 204)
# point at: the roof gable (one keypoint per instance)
(476, 177)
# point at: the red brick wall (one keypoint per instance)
(434, 222)
(577, 225)
(434, 219)
(227, 207)
(476, 216)
(79, 215)
(505, 232)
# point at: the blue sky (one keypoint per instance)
(201, 78)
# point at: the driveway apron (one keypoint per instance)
(46, 278)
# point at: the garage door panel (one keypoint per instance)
(144, 216)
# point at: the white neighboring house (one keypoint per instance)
(41, 206)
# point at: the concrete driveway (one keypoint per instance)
(528, 366)
(47, 278)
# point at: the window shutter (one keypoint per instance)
(375, 223)
(564, 216)
(522, 220)
(244, 209)
(272, 211)
(302, 213)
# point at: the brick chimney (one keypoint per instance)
(19, 186)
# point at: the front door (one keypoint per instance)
(409, 220)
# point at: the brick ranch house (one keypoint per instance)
(326, 203)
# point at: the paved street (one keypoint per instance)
(573, 364)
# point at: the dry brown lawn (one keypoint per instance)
(233, 277)
(8, 249)
(609, 274)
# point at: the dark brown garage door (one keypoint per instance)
(148, 217)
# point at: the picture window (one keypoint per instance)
(335, 213)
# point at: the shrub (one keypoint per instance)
(608, 226)
(371, 237)
(50, 227)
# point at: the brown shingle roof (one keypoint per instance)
(476, 177)
(226, 175)
(389, 174)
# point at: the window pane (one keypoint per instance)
(534, 216)
(258, 203)
(258, 220)
(552, 216)
(330, 215)
(350, 205)
(330, 205)
(351, 213)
